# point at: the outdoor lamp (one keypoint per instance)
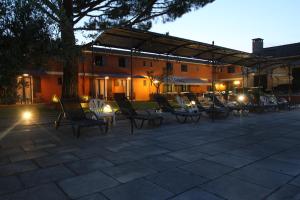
(55, 99)
(26, 115)
(241, 98)
(106, 77)
(107, 109)
(129, 78)
(193, 102)
(236, 83)
(156, 81)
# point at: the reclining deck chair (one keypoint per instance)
(215, 111)
(72, 110)
(181, 115)
(129, 112)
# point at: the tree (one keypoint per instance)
(24, 42)
(98, 15)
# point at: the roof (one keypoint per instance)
(283, 50)
(145, 41)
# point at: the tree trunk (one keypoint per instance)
(69, 52)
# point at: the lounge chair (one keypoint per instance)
(212, 111)
(269, 103)
(130, 113)
(72, 110)
(181, 115)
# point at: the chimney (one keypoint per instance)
(257, 45)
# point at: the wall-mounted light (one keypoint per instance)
(236, 83)
(106, 77)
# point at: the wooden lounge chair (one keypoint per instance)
(130, 113)
(181, 115)
(72, 110)
(213, 111)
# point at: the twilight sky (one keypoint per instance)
(234, 23)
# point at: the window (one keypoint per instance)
(99, 61)
(231, 69)
(169, 67)
(144, 63)
(219, 69)
(147, 64)
(122, 62)
(184, 68)
(59, 81)
(37, 85)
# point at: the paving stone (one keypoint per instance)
(137, 190)
(207, 168)
(235, 189)
(120, 157)
(96, 196)
(173, 146)
(263, 177)
(17, 167)
(286, 192)
(169, 180)
(230, 160)
(44, 192)
(290, 157)
(9, 184)
(196, 194)
(252, 154)
(188, 155)
(89, 165)
(27, 156)
(86, 184)
(279, 166)
(36, 147)
(150, 150)
(10, 151)
(296, 181)
(161, 162)
(4, 160)
(55, 159)
(45, 175)
(129, 171)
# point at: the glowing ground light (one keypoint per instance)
(26, 115)
(107, 109)
(241, 98)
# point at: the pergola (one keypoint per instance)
(146, 41)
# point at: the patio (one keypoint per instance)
(254, 157)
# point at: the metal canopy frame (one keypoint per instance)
(147, 41)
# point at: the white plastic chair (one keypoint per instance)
(99, 107)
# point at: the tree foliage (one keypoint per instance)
(93, 16)
(25, 38)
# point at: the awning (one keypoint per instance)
(146, 41)
(185, 81)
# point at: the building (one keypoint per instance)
(277, 75)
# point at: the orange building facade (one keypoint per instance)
(104, 71)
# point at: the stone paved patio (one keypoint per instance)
(254, 157)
